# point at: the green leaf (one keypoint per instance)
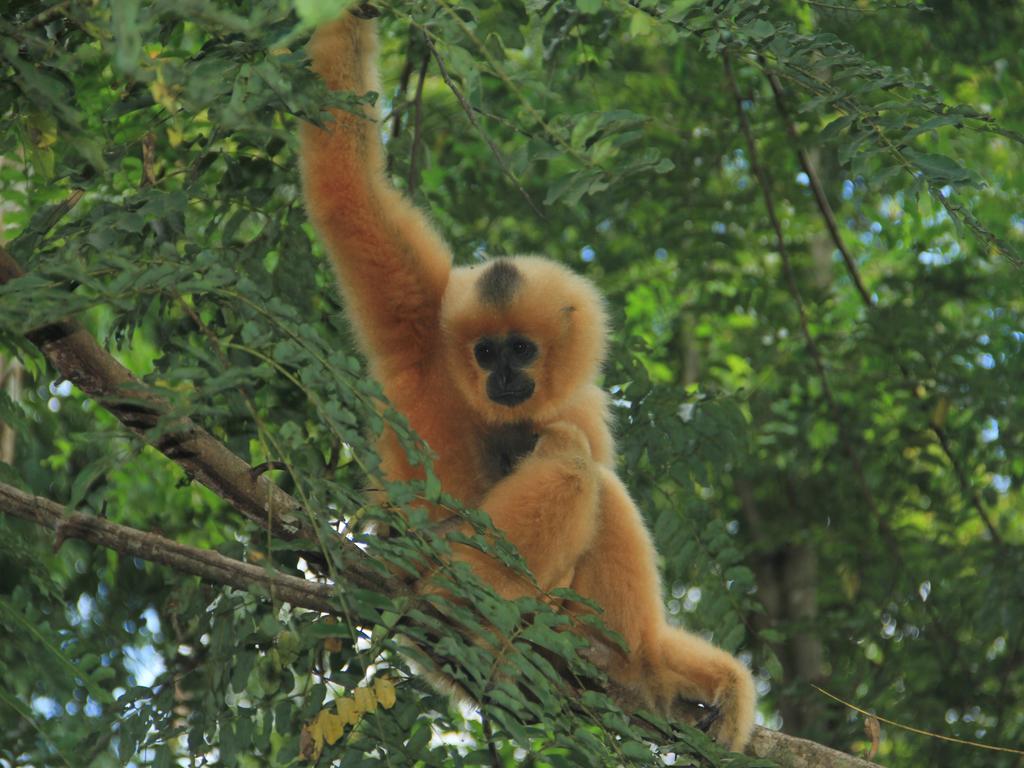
(940, 169)
(759, 29)
(13, 616)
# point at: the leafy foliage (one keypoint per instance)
(872, 544)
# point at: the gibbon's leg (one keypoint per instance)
(391, 266)
(548, 508)
(664, 663)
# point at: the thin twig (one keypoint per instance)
(912, 729)
(47, 14)
(417, 127)
(492, 748)
(874, 9)
(818, 191)
(764, 181)
(851, 268)
(403, 88)
(62, 209)
(965, 486)
(471, 116)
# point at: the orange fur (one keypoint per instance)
(417, 318)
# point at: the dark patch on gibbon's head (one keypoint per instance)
(499, 283)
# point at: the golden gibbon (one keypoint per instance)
(494, 365)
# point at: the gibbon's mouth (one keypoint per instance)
(512, 397)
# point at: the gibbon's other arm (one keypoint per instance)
(547, 507)
(391, 265)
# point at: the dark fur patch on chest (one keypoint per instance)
(499, 283)
(503, 448)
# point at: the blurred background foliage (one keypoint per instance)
(828, 449)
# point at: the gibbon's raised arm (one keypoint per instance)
(391, 265)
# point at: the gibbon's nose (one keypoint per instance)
(504, 377)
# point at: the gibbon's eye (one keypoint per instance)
(523, 350)
(485, 352)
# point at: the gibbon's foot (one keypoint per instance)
(733, 713)
(702, 716)
(712, 714)
(694, 670)
(366, 11)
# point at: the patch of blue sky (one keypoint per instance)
(46, 706)
(144, 664)
(1001, 483)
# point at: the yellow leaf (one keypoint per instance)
(940, 412)
(347, 711)
(311, 740)
(332, 644)
(174, 136)
(162, 94)
(385, 691)
(42, 129)
(333, 726)
(365, 700)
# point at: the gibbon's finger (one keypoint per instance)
(366, 11)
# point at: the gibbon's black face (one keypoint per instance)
(506, 359)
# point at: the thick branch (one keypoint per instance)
(791, 752)
(787, 751)
(206, 564)
(77, 357)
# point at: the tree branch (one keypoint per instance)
(417, 127)
(206, 564)
(471, 116)
(787, 751)
(819, 192)
(791, 752)
(77, 357)
(764, 182)
(828, 215)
